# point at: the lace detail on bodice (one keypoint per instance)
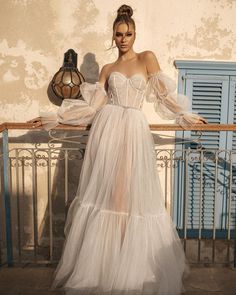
(127, 91)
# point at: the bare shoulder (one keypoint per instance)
(105, 71)
(150, 60)
(146, 55)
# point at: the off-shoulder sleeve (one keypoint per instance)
(77, 111)
(168, 104)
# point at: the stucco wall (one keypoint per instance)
(35, 34)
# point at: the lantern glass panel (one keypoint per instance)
(58, 77)
(67, 77)
(74, 91)
(66, 91)
(76, 78)
(57, 89)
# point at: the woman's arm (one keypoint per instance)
(151, 62)
(77, 111)
(161, 91)
(104, 74)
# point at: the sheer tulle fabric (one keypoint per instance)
(168, 104)
(119, 237)
(160, 89)
(120, 240)
(77, 111)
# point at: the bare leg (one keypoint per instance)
(120, 192)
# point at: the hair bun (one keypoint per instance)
(125, 9)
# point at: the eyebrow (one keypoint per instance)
(124, 33)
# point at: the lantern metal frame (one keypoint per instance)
(66, 81)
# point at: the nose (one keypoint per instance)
(123, 37)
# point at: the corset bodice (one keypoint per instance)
(126, 91)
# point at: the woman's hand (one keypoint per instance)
(201, 120)
(36, 121)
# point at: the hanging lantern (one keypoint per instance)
(66, 82)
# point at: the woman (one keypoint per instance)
(119, 237)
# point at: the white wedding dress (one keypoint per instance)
(119, 237)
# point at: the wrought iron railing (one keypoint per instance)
(39, 177)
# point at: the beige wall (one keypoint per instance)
(35, 34)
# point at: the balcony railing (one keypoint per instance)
(39, 174)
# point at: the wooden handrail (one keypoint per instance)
(153, 127)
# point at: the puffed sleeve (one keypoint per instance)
(167, 103)
(77, 111)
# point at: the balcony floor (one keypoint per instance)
(36, 280)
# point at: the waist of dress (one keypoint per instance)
(125, 107)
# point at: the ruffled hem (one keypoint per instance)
(98, 259)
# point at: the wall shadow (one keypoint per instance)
(38, 138)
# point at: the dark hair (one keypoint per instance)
(124, 15)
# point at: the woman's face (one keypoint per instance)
(124, 37)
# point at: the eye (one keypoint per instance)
(118, 34)
(129, 34)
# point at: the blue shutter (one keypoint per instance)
(209, 97)
(233, 191)
(231, 145)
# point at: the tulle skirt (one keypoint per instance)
(119, 237)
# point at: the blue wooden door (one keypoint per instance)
(203, 176)
(231, 159)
